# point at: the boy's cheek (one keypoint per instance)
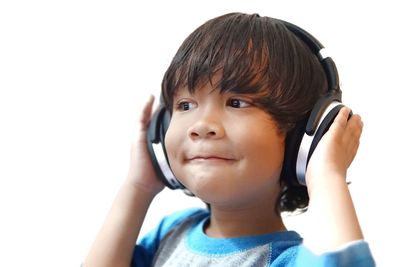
(172, 143)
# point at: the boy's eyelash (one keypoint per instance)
(233, 102)
(183, 105)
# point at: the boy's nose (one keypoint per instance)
(207, 127)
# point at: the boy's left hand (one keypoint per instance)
(336, 150)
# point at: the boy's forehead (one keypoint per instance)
(212, 82)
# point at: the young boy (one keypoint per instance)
(236, 90)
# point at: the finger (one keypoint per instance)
(146, 113)
(343, 116)
(352, 136)
(354, 128)
(340, 122)
(356, 122)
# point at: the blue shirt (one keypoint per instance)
(179, 240)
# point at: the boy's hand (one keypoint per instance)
(331, 206)
(141, 172)
(115, 242)
(336, 150)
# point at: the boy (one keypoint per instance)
(237, 89)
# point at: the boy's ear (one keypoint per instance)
(155, 143)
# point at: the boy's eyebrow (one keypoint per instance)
(181, 91)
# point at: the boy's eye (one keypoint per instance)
(238, 103)
(185, 105)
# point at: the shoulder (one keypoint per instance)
(356, 253)
(353, 254)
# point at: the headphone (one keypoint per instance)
(300, 142)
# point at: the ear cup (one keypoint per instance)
(309, 142)
(155, 143)
(324, 127)
(300, 143)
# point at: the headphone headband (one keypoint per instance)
(318, 49)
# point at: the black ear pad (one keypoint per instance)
(155, 143)
(292, 145)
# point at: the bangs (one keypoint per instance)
(249, 54)
(236, 50)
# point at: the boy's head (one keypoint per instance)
(259, 56)
(256, 55)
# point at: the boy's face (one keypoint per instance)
(224, 149)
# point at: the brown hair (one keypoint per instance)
(254, 55)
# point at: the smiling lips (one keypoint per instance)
(209, 158)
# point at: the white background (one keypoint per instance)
(73, 75)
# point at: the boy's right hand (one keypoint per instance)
(115, 242)
(141, 172)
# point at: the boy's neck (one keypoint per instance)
(226, 223)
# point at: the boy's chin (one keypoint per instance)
(215, 195)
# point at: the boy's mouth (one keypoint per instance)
(209, 158)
